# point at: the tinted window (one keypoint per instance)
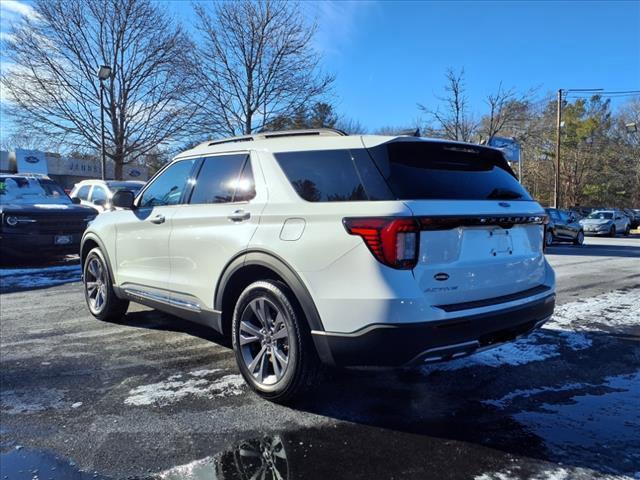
(83, 192)
(323, 176)
(553, 214)
(220, 180)
(417, 170)
(168, 187)
(98, 193)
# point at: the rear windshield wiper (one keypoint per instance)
(504, 194)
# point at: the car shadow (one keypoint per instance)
(157, 320)
(554, 406)
(558, 396)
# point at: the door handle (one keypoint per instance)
(239, 216)
(157, 219)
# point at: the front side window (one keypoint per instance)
(224, 179)
(168, 187)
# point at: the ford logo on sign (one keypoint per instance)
(134, 173)
(31, 159)
(504, 204)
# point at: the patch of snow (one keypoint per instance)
(24, 278)
(567, 329)
(615, 309)
(530, 392)
(175, 388)
(556, 473)
(203, 373)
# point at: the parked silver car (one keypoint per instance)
(98, 193)
(606, 222)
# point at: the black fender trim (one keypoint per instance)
(94, 238)
(288, 274)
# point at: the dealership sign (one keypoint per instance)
(31, 161)
(509, 146)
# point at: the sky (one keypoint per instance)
(389, 56)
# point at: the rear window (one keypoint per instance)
(417, 170)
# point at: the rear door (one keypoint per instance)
(481, 231)
(218, 221)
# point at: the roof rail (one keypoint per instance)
(278, 134)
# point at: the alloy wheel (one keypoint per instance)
(264, 341)
(95, 285)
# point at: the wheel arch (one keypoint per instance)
(254, 265)
(89, 242)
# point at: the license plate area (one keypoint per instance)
(500, 243)
(62, 239)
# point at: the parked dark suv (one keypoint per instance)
(38, 219)
(563, 227)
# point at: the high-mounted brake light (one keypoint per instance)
(393, 241)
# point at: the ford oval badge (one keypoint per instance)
(504, 204)
(441, 277)
(31, 159)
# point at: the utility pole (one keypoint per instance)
(556, 193)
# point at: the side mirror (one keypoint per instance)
(75, 200)
(123, 199)
(100, 202)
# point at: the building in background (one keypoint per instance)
(66, 171)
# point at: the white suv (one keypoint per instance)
(312, 247)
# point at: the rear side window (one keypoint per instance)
(83, 192)
(224, 179)
(417, 170)
(98, 193)
(323, 176)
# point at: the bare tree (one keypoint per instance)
(507, 111)
(454, 121)
(351, 126)
(54, 91)
(257, 65)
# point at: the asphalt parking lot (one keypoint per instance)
(155, 397)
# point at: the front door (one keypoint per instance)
(142, 235)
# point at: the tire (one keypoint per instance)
(579, 240)
(612, 231)
(101, 299)
(548, 238)
(268, 327)
(627, 231)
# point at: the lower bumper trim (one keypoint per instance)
(402, 344)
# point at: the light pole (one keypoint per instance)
(104, 72)
(556, 192)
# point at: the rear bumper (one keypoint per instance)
(396, 345)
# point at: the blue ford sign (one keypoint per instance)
(509, 146)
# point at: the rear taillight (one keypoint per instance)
(393, 241)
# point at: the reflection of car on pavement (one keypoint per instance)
(563, 226)
(314, 247)
(98, 193)
(606, 222)
(37, 219)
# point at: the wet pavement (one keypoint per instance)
(153, 397)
